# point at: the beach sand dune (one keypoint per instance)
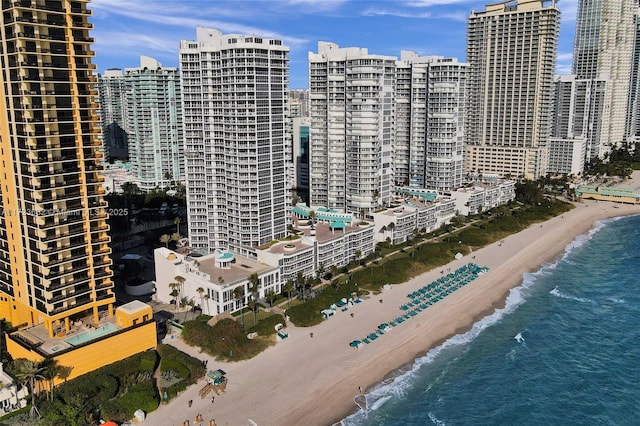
(313, 380)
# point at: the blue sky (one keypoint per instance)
(126, 29)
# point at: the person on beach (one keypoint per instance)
(190, 403)
(360, 389)
(213, 398)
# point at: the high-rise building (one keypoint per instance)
(352, 128)
(603, 50)
(234, 91)
(430, 111)
(632, 129)
(511, 50)
(300, 148)
(111, 92)
(154, 124)
(55, 266)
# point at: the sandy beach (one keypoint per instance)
(313, 381)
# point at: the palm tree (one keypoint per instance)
(391, 227)
(238, 294)
(253, 305)
(300, 283)
(180, 281)
(206, 299)
(29, 373)
(176, 222)
(271, 297)
(312, 216)
(358, 254)
(175, 237)
(174, 292)
(165, 238)
(50, 372)
(288, 288)
(192, 306)
(254, 283)
(200, 291)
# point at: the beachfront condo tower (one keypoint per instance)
(511, 50)
(603, 50)
(55, 267)
(430, 110)
(352, 128)
(154, 124)
(234, 91)
(111, 93)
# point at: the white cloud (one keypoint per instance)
(398, 13)
(565, 56)
(428, 3)
(181, 15)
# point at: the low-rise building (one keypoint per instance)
(209, 281)
(482, 196)
(414, 211)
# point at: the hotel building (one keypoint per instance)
(511, 50)
(234, 91)
(154, 124)
(352, 128)
(55, 268)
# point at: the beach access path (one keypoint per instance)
(313, 380)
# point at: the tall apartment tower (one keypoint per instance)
(154, 124)
(234, 106)
(430, 111)
(603, 50)
(111, 92)
(352, 128)
(632, 128)
(511, 50)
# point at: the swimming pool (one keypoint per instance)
(92, 335)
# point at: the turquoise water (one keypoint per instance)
(564, 350)
(91, 335)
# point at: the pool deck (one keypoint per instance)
(38, 335)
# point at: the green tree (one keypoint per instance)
(253, 305)
(271, 297)
(165, 238)
(180, 281)
(238, 294)
(200, 291)
(29, 373)
(288, 288)
(254, 285)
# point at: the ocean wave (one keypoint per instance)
(435, 420)
(398, 385)
(556, 292)
(403, 380)
(518, 337)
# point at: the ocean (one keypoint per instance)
(564, 350)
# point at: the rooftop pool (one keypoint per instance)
(87, 336)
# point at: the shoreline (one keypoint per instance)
(313, 381)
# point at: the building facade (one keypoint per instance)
(55, 265)
(111, 92)
(430, 109)
(511, 50)
(603, 49)
(352, 128)
(234, 91)
(154, 124)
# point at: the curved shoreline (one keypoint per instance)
(313, 381)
